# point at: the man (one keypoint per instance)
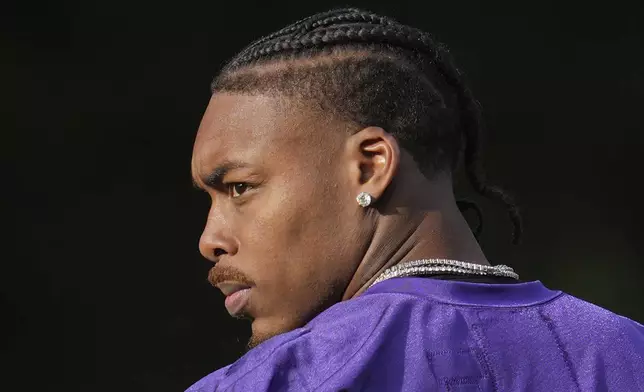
(328, 150)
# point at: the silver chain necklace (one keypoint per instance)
(426, 267)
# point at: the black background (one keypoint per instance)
(102, 286)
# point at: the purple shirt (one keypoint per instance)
(419, 334)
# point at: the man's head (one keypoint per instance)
(301, 122)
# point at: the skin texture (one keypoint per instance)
(288, 225)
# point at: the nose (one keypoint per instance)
(216, 239)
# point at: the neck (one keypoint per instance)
(435, 229)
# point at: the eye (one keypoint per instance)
(237, 189)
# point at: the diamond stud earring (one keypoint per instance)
(364, 199)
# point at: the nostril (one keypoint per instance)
(219, 252)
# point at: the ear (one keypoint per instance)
(374, 160)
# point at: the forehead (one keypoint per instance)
(244, 127)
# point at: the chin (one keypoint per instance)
(263, 329)
(254, 341)
(258, 337)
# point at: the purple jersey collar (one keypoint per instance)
(467, 293)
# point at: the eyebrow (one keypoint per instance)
(215, 178)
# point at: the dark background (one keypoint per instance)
(102, 287)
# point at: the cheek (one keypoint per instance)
(299, 232)
(280, 220)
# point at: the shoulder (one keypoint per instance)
(346, 334)
(606, 349)
(580, 313)
(580, 321)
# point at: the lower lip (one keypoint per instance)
(237, 301)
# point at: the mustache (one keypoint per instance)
(221, 273)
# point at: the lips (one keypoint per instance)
(237, 301)
(237, 296)
(229, 287)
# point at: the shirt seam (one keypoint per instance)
(352, 355)
(483, 358)
(560, 346)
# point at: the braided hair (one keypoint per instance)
(374, 71)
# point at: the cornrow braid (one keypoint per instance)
(331, 17)
(406, 81)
